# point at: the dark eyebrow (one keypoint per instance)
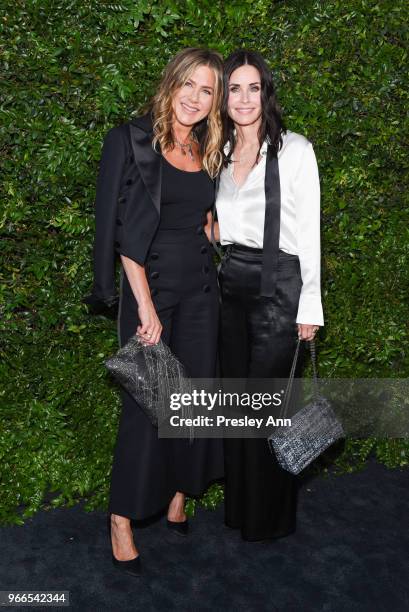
(238, 84)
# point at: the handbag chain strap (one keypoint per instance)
(313, 352)
(287, 395)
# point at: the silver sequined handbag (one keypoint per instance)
(150, 373)
(313, 428)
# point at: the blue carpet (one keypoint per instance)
(350, 553)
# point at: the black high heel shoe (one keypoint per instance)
(132, 566)
(181, 529)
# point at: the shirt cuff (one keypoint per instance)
(310, 310)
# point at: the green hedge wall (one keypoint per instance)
(70, 71)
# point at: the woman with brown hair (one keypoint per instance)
(268, 207)
(154, 191)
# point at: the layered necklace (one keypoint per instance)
(186, 145)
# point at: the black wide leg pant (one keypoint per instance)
(258, 340)
(147, 470)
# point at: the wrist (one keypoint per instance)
(144, 301)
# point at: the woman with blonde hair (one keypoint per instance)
(154, 192)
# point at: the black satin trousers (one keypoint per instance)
(258, 340)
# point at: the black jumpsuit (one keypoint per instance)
(147, 470)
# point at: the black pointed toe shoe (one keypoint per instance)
(132, 567)
(181, 529)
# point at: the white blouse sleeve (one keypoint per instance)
(307, 210)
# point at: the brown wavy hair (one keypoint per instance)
(208, 132)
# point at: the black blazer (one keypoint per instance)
(127, 209)
(127, 206)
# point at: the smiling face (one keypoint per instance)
(193, 101)
(244, 99)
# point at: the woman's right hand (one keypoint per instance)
(150, 328)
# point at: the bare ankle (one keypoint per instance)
(119, 521)
(176, 509)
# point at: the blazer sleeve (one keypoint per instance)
(108, 186)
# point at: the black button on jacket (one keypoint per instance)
(127, 205)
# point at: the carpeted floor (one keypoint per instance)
(350, 553)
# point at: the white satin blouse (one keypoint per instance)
(241, 210)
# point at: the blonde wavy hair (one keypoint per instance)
(208, 132)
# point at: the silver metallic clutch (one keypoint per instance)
(150, 374)
(313, 428)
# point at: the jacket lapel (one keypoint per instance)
(147, 160)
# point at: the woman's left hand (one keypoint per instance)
(307, 332)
